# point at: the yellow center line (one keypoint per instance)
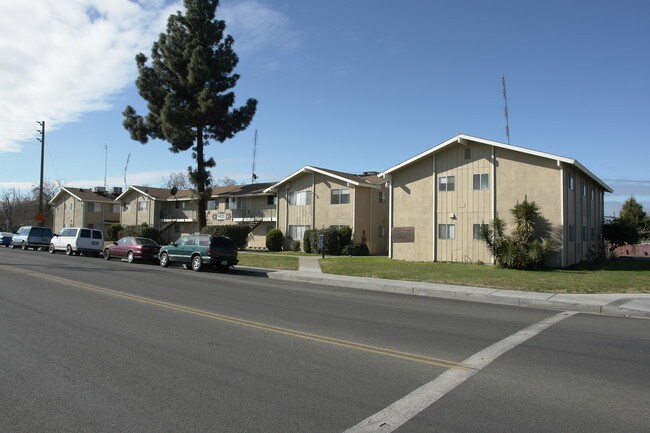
(252, 324)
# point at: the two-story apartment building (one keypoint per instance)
(440, 198)
(173, 214)
(85, 207)
(315, 198)
(244, 204)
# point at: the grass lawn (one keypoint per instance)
(622, 276)
(268, 260)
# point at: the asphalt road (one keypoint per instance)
(89, 345)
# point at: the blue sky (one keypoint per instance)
(352, 85)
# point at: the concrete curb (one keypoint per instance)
(626, 305)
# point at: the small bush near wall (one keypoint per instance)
(332, 245)
(307, 241)
(274, 240)
(142, 231)
(113, 231)
(237, 232)
(356, 250)
(295, 246)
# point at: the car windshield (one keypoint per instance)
(146, 241)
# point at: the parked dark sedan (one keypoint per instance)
(5, 238)
(133, 248)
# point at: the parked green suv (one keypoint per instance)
(196, 251)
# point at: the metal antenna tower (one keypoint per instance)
(505, 110)
(253, 175)
(125, 167)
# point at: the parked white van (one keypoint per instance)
(74, 240)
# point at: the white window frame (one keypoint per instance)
(476, 231)
(447, 231)
(297, 230)
(444, 183)
(480, 181)
(300, 198)
(338, 194)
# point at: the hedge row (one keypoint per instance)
(237, 232)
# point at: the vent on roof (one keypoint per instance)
(117, 190)
(99, 189)
(370, 173)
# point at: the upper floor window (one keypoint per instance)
(270, 200)
(233, 203)
(571, 182)
(382, 231)
(94, 207)
(126, 206)
(572, 233)
(481, 181)
(446, 183)
(212, 204)
(143, 205)
(584, 190)
(468, 153)
(115, 208)
(340, 196)
(299, 198)
(382, 197)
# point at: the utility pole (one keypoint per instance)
(40, 216)
(505, 110)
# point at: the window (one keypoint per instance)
(481, 181)
(468, 153)
(571, 182)
(382, 231)
(446, 231)
(572, 233)
(593, 194)
(584, 190)
(115, 208)
(97, 234)
(297, 232)
(126, 207)
(382, 197)
(340, 196)
(177, 228)
(270, 200)
(233, 203)
(446, 183)
(584, 234)
(94, 207)
(85, 233)
(299, 198)
(143, 205)
(212, 204)
(476, 229)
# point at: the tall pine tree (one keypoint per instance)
(187, 86)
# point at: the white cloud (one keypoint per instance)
(59, 60)
(62, 59)
(256, 27)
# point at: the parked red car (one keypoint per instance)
(133, 248)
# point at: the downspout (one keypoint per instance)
(389, 180)
(493, 209)
(434, 219)
(313, 199)
(562, 222)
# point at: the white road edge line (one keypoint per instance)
(398, 413)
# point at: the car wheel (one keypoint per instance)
(197, 263)
(24, 246)
(164, 260)
(52, 250)
(68, 250)
(129, 257)
(12, 245)
(107, 254)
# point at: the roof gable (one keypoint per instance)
(460, 138)
(350, 179)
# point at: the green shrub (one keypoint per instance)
(295, 246)
(237, 232)
(307, 245)
(356, 250)
(345, 236)
(274, 240)
(142, 231)
(332, 245)
(113, 232)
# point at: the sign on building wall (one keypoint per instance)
(403, 234)
(222, 216)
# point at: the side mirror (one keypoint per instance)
(115, 243)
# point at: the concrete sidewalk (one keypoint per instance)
(633, 305)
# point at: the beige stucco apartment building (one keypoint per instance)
(439, 199)
(85, 207)
(173, 214)
(316, 198)
(245, 204)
